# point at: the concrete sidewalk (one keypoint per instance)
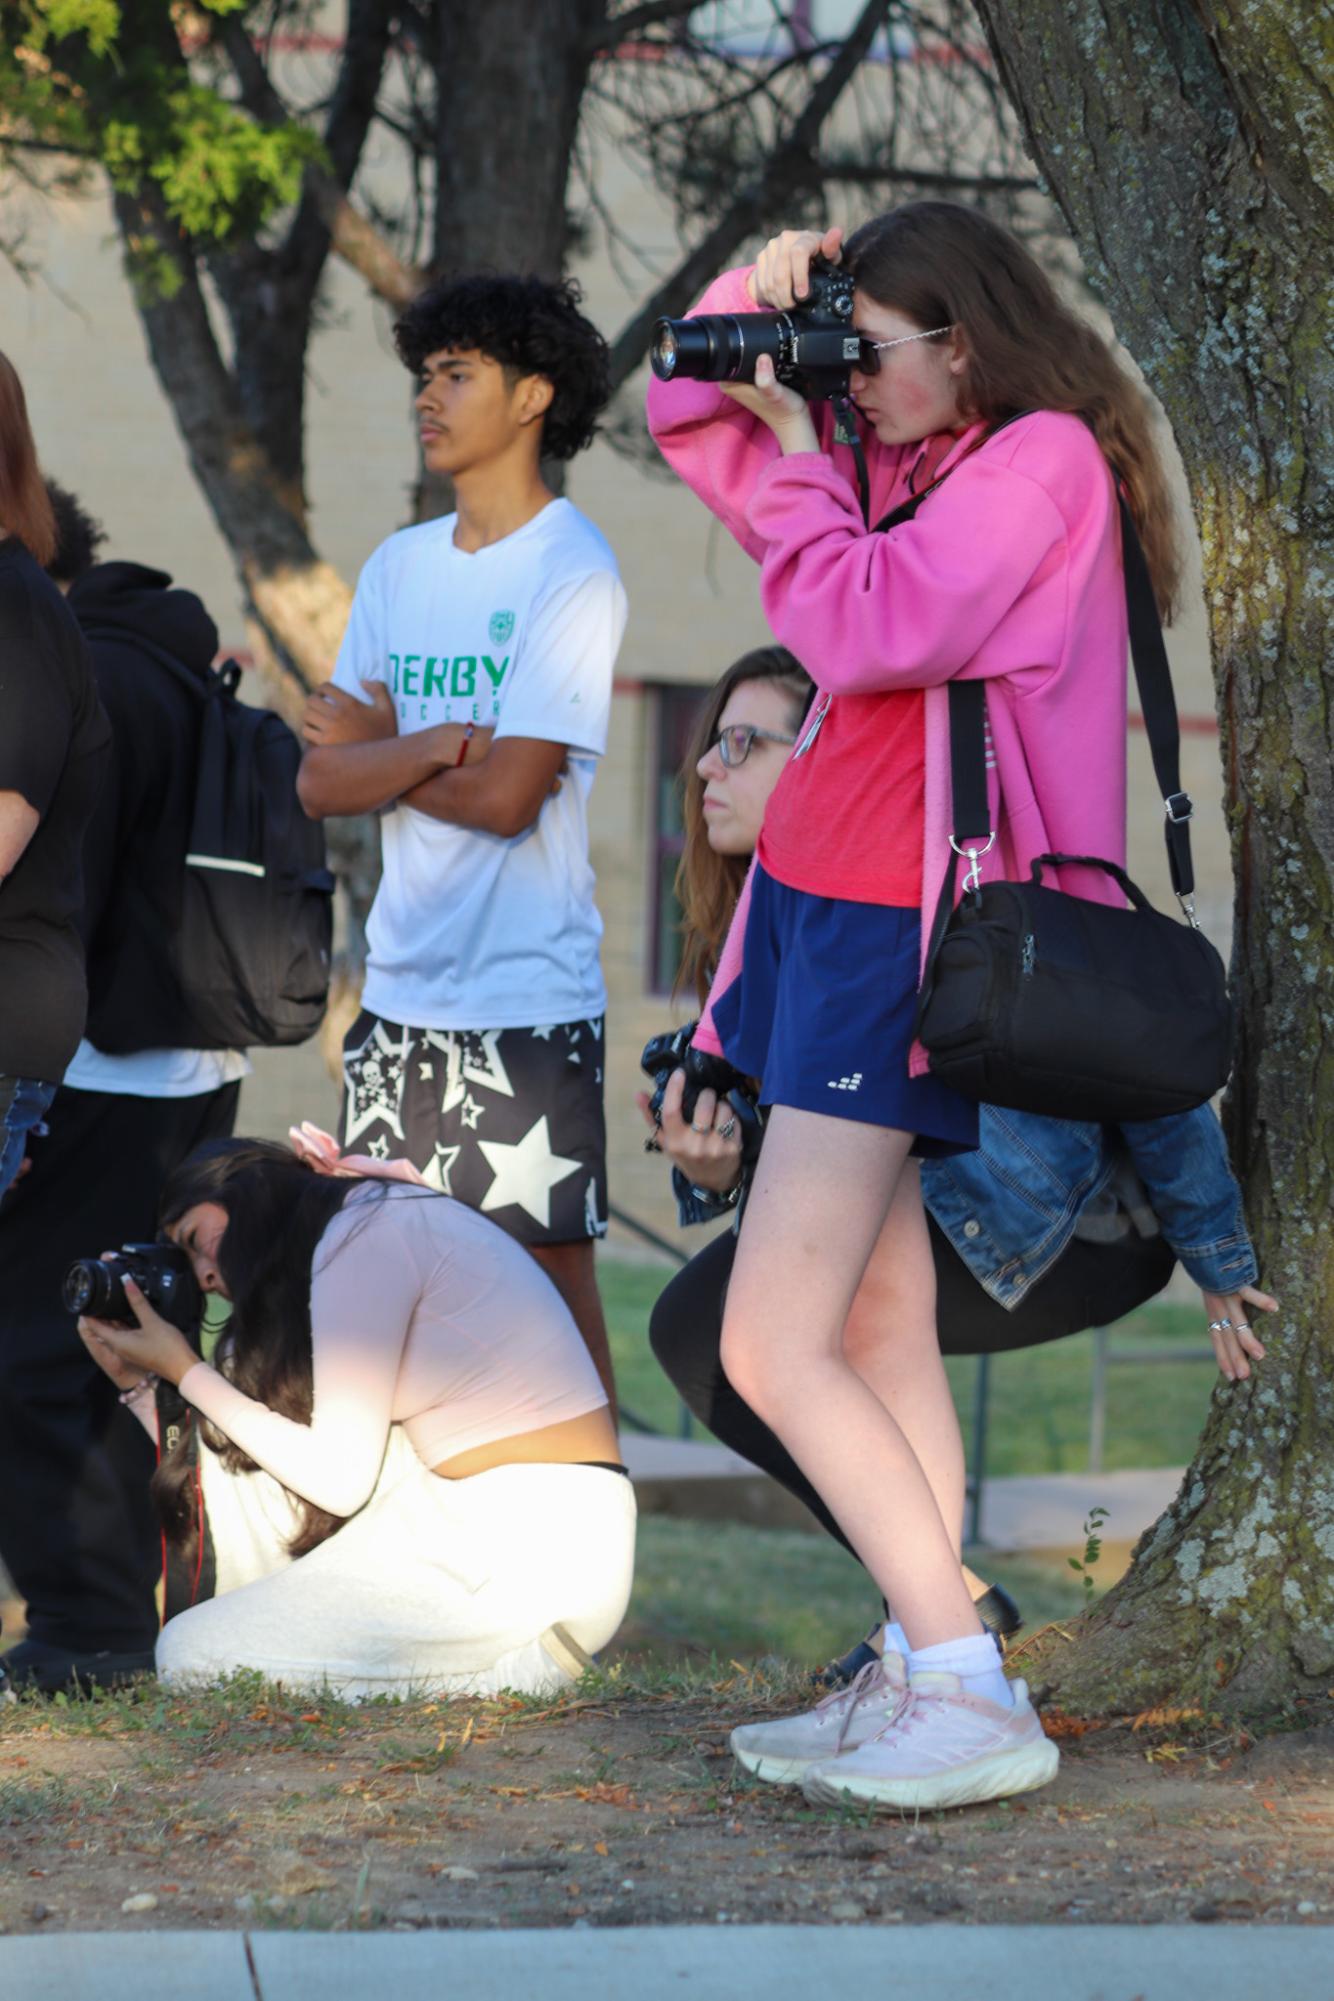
(704, 1481)
(692, 1963)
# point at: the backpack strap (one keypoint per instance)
(213, 681)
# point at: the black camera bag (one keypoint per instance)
(1048, 1002)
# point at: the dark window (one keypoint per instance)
(675, 711)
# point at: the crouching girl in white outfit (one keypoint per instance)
(459, 1520)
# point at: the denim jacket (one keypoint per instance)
(1011, 1208)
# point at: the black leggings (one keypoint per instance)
(1091, 1285)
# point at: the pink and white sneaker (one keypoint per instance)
(784, 1750)
(941, 1747)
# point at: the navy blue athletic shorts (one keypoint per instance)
(823, 1015)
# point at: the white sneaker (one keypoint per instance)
(784, 1750)
(941, 1747)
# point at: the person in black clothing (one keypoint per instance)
(77, 1530)
(53, 744)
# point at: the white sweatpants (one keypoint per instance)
(435, 1586)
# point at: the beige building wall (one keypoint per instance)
(105, 430)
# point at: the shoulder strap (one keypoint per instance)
(1157, 701)
(1153, 678)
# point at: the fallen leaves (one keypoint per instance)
(603, 1794)
(1058, 1725)
(1167, 1719)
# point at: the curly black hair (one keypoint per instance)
(78, 536)
(531, 327)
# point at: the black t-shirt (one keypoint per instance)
(54, 741)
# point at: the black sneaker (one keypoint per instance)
(841, 1672)
(999, 1614)
(995, 1608)
(45, 1670)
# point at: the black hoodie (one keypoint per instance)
(134, 856)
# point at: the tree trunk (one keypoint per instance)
(1192, 151)
(511, 81)
(300, 601)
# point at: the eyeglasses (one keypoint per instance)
(733, 744)
(868, 359)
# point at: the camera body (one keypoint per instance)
(162, 1272)
(664, 1054)
(813, 345)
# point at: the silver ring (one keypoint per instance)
(1242, 1327)
(699, 1129)
(1217, 1326)
(726, 1131)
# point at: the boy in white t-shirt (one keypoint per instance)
(469, 705)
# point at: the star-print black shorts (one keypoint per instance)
(508, 1120)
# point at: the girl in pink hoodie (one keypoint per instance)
(1009, 572)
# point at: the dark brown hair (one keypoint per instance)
(708, 884)
(25, 505)
(277, 1208)
(944, 265)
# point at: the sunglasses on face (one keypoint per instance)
(733, 744)
(868, 359)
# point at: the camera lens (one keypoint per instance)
(84, 1287)
(663, 356)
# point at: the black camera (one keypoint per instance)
(664, 1054)
(813, 346)
(162, 1272)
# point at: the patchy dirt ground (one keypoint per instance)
(618, 1806)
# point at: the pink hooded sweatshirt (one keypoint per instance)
(1010, 573)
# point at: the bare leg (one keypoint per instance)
(890, 1340)
(572, 1271)
(823, 1191)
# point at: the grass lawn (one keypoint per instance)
(1039, 1397)
(719, 1592)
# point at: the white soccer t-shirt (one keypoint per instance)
(468, 929)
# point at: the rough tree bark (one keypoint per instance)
(1190, 144)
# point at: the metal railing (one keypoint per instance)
(1105, 1357)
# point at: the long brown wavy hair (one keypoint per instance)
(708, 884)
(25, 505)
(949, 266)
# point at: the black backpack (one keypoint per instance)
(253, 947)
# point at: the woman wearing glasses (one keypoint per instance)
(1010, 572)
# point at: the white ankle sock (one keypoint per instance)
(977, 1662)
(896, 1640)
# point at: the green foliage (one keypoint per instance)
(221, 175)
(76, 75)
(51, 21)
(1086, 1564)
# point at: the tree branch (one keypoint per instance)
(627, 27)
(325, 201)
(860, 173)
(790, 162)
